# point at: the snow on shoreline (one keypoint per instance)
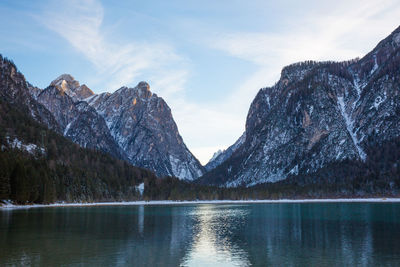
(9, 206)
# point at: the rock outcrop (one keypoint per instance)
(142, 124)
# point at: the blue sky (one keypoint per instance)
(207, 59)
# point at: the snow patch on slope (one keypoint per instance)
(378, 101)
(140, 188)
(67, 128)
(181, 169)
(350, 128)
(30, 148)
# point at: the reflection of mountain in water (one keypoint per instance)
(318, 234)
(295, 234)
(102, 236)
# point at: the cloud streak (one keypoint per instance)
(80, 23)
(349, 30)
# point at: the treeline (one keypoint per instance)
(378, 176)
(64, 172)
(67, 172)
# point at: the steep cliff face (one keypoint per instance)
(142, 124)
(317, 113)
(88, 129)
(15, 90)
(132, 124)
(59, 104)
(77, 120)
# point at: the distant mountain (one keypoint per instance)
(132, 124)
(317, 115)
(220, 156)
(142, 124)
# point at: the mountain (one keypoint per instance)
(142, 124)
(39, 165)
(15, 90)
(221, 155)
(317, 115)
(77, 120)
(67, 84)
(132, 124)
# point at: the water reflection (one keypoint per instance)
(203, 235)
(141, 219)
(213, 242)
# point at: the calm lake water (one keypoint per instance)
(312, 234)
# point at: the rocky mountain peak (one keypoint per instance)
(143, 85)
(143, 126)
(67, 84)
(142, 91)
(65, 81)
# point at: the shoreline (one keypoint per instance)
(10, 206)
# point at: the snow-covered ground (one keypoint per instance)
(9, 205)
(30, 148)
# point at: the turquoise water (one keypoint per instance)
(313, 234)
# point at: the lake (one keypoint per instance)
(294, 234)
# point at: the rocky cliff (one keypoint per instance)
(132, 124)
(15, 90)
(77, 120)
(316, 114)
(142, 124)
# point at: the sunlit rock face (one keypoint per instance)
(78, 121)
(132, 124)
(317, 113)
(142, 125)
(67, 84)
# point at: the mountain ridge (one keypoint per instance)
(316, 114)
(142, 124)
(133, 124)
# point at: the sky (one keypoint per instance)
(207, 59)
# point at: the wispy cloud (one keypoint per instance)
(81, 24)
(349, 30)
(339, 35)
